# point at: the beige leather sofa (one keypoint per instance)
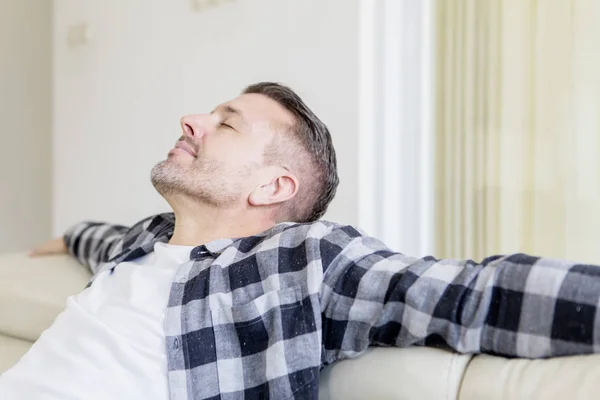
(33, 292)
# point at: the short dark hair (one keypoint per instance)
(315, 140)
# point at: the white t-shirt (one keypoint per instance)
(109, 342)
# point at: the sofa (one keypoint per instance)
(33, 292)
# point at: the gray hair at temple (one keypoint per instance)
(309, 148)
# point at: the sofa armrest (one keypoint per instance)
(11, 351)
(33, 291)
(394, 374)
(497, 378)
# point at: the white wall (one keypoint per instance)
(118, 99)
(25, 114)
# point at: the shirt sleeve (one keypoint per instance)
(93, 243)
(513, 305)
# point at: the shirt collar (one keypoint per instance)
(213, 248)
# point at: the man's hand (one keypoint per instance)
(51, 248)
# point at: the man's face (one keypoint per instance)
(219, 158)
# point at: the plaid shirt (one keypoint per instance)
(258, 317)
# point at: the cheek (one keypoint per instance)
(238, 152)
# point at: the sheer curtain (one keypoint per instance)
(518, 128)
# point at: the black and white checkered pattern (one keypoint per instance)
(257, 317)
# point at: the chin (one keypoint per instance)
(163, 172)
(179, 158)
(170, 176)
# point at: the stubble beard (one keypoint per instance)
(202, 181)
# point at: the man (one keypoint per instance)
(243, 293)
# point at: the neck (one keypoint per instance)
(197, 224)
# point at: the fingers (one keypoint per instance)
(39, 252)
(53, 247)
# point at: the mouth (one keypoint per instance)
(182, 145)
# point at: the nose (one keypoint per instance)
(194, 125)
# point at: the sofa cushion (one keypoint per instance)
(549, 379)
(393, 374)
(33, 291)
(11, 351)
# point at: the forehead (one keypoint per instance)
(259, 109)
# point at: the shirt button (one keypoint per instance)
(176, 344)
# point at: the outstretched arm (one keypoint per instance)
(93, 243)
(514, 305)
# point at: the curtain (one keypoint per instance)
(517, 128)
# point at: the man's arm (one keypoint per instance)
(93, 243)
(514, 305)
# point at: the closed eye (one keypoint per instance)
(226, 125)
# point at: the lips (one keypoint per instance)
(183, 145)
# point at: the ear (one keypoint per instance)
(280, 189)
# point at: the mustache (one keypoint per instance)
(190, 142)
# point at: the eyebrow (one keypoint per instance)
(228, 109)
